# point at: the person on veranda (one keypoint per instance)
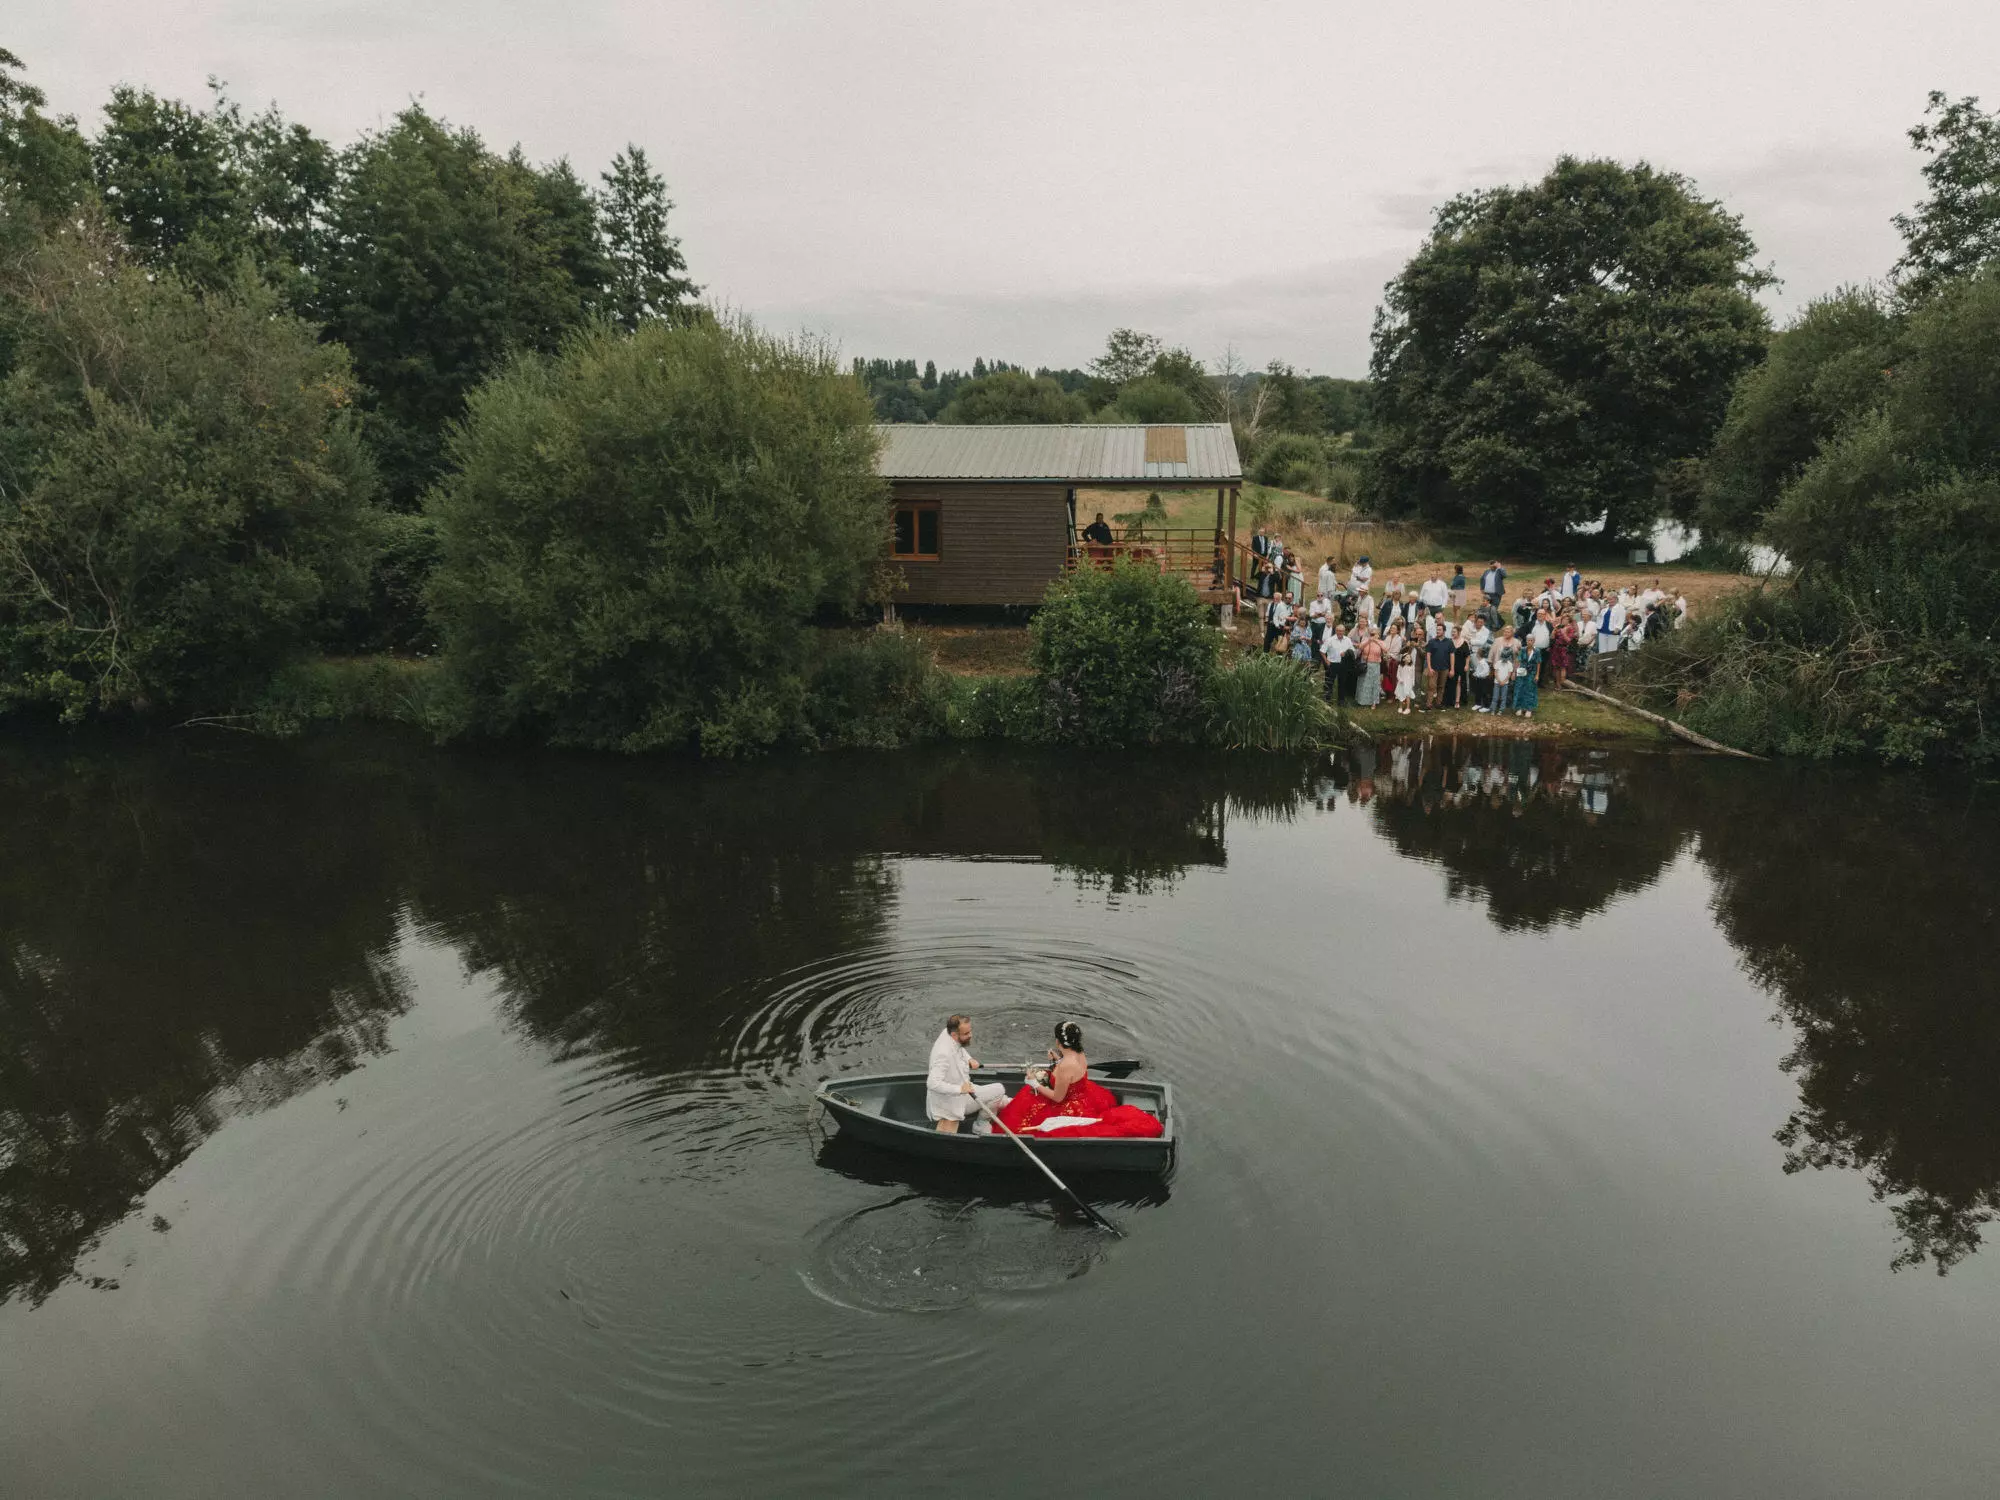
(950, 1095)
(1097, 533)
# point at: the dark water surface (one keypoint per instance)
(375, 1121)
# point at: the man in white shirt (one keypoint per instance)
(1571, 581)
(950, 1095)
(1333, 649)
(1360, 575)
(1278, 621)
(1434, 594)
(1329, 581)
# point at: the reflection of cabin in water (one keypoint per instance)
(988, 515)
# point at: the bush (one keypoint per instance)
(1268, 703)
(876, 691)
(1290, 461)
(637, 533)
(183, 497)
(1882, 640)
(1151, 400)
(377, 689)
(996, 708)
(1123, 657)
(394, 617)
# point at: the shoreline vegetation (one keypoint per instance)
(417, 430)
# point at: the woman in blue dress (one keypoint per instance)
(1526, 695)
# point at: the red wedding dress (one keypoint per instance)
(1086, 1100)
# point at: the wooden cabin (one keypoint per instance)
(988, 515)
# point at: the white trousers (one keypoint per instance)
(963, 1107)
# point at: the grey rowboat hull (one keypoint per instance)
(887, 1110)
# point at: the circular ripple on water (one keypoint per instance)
(918, 1253)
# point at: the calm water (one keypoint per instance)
(377, 1121)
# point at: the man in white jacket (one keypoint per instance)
(949, 1092)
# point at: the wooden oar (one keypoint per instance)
(1043, 1167)
(1120, 1067)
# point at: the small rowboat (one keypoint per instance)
(887, 1109)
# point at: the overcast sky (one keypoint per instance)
(941, 180)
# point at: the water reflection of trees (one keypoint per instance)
(1857, 900)
(187, 934)
(1543, 835)
(1863, 903)
(184, 934)
(180, 936)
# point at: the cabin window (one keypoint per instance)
(916, 533)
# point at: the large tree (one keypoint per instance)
(1013, 396)
(443, 258)
(44, 162)
(182, 496)
(647, 272)
(637, 532)
(1957, 228)
(1554, 352)
(1831, 363)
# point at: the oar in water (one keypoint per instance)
(1043, 1167)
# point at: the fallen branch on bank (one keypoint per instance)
(1661, 719)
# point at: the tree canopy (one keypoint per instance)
(1013, 396)
(1956, 229)
(183, 498)
(444, 259)
(1831, 363)
(1553, 351)
(637, 530)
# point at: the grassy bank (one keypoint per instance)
(981, 690)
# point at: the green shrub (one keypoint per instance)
(377, 689)
(1268, 703)
(1290, 461)
(878, 691)
(996, 708)
(637, 533)
(1123, 657)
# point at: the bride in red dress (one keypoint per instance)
(1070, 1093)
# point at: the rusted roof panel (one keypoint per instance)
(1073, 454)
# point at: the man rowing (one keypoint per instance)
(950, 1095)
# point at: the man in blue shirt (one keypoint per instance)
(1493, 583)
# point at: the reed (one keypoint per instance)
(1269, 703)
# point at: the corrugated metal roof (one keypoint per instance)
(1077, 454)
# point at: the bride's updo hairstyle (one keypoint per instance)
(1070, 1035)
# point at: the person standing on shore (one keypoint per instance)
(1369, 692)
(1527, 693)
(1439, 650)
(1407, 670)
(1506, 657)
(1278, 621)
(1335, 649)
(1459, 690)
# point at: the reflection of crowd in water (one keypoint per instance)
(1446, 774)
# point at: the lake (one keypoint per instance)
(377, 1120)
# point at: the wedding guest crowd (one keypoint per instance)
(1419, 649)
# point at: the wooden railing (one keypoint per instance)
(1199, 554)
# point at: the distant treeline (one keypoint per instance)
(1139, 378)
